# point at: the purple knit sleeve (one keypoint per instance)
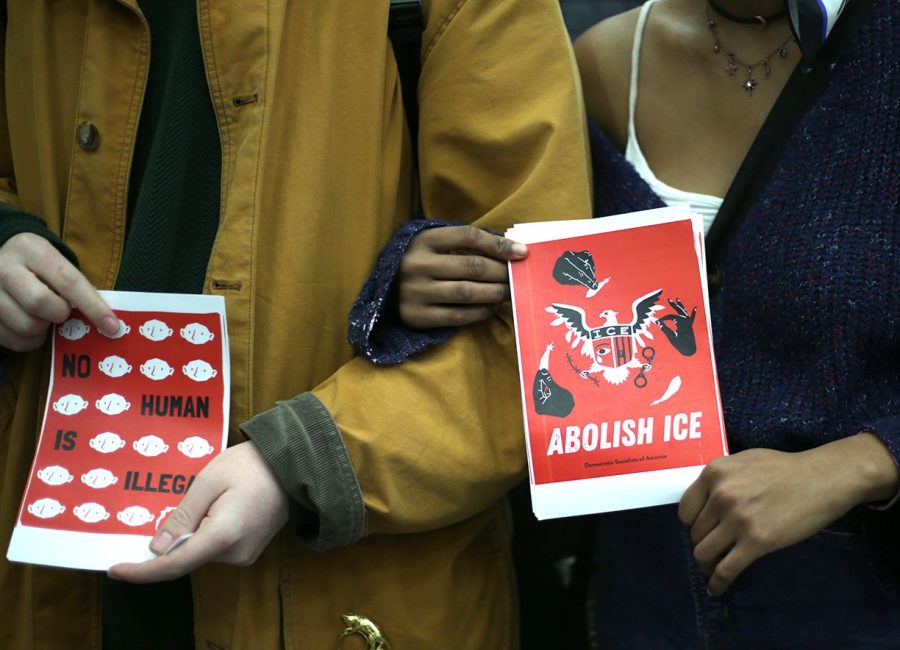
(376, 331)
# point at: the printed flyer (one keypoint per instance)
(619, 388)
(129, 422)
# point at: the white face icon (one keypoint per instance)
(124, 328)
(156, 369)
(73, 329)
(99, 478)
(70, 405)
(155, 330)
(196, 333)
(134, 516)
(150, 446)
(113, 366)
(198, 370)
(195, 447)
(54, 475)
(46, 508)
(91, 513)
(106, 442)
(112, 404)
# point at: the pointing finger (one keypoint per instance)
(470, 238)
(67, 281)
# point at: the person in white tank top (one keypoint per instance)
(684, 109)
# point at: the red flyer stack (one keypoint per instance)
(619, 389)
(129, 422)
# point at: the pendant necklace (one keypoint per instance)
(733, 62)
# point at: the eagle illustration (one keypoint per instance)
(611, 345)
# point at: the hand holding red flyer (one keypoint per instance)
(129, 422)
(619, 389)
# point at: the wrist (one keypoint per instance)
(870, 470)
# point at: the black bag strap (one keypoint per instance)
(405, 31)
(799, 95)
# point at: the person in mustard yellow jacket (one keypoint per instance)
(257, 150)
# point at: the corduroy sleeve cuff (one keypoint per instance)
(302, 443)
(375, 328)
(14, 221)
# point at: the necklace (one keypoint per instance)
(733, 63)
(747, 20)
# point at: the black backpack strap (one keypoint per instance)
(799, 95)
(405, 31)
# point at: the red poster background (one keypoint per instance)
(638, 261)
(129, 425)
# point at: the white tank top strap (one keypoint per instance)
(704, 204)
(636, 65)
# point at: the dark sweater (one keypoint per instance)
(806, 324)
(174, 190)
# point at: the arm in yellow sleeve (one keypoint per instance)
(439, 438)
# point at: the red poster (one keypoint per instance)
(619, 388)
(130, 420)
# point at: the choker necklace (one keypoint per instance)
(751, 20)
(733, 63)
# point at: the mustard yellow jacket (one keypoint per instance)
(315, 176)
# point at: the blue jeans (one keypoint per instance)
(648, 594)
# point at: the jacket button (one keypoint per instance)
(714, 279)
(88, 136)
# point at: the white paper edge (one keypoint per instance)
(99, 551)
(609, 493)
(76, 550)
(524, 402)
(176, 302)
(529, 233)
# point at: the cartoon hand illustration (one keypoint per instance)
(682, 336)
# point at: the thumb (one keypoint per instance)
(186, 518)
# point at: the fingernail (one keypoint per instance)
(110, 325)
(161, 542)
(519, 250)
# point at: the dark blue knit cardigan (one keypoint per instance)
(807, 321)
